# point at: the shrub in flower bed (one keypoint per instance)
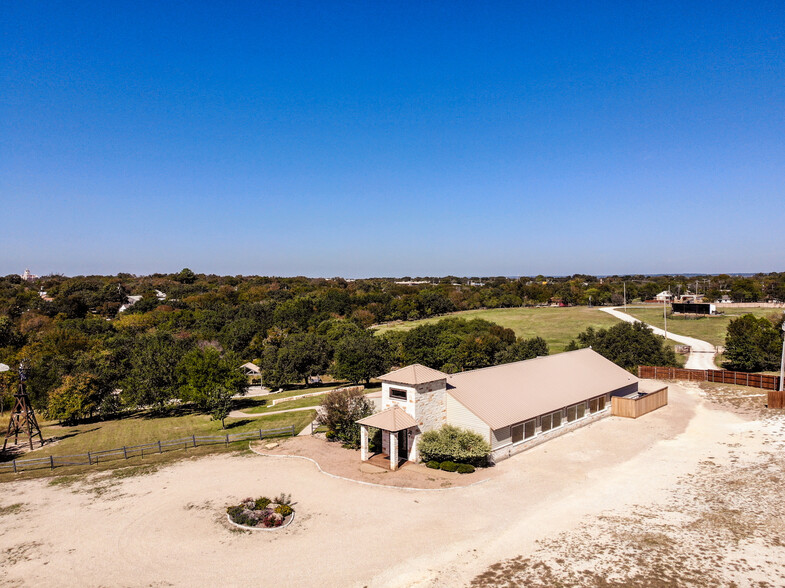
(448, 466)
(434, 465)
(261, 512)
(465, 468)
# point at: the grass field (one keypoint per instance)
(711, 329)
(558, 326)
(144, 428)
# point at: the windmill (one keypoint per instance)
(23, 419)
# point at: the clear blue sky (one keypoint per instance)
(387, 138)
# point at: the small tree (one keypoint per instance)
(74, 399)
(220, 403)
(452, 443)
(340, 410)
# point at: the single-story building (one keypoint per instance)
(514, 406)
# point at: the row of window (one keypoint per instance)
(527, 430)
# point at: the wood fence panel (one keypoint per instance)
(776, 399)
(635, 407)
(765, 381)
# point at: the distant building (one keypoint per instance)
(27, 276)
(664, 296)
(693, 308)
(130, 301)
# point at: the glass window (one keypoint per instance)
(556, 419)
(601, 403)
(545, 423)
(593, 405)
(517, 433)
(581, 410)
(397, 394)
(571, 413)
(528, 429)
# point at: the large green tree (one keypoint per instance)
(360, 356)
(295, 358)
(206, 378)
(627, 345)
(752, 344)
(152, 379)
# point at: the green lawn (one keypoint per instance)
(711, 329)
(558, 326)
(143, 428)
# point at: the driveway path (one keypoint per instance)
(239, 414)
(701, 352)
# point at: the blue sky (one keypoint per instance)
(390, 139)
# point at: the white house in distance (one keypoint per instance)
(514, 406)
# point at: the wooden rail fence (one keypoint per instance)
(635, 407)
(126, 452)
(722, 376)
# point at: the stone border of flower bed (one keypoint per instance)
(247, 528)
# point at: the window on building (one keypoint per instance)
(572, 413)
(601, 403)
(517, 433)
(593, 405)
(528, 429)
(581, 410)
(397, 394)
(556, 419)
(545, 423)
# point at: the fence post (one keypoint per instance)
(292, 430)
(52, 461)
(15, 467)
(159, 447)
(260, 434)
(125, 452)
(89, 459)
(194, 439)
(227, 439)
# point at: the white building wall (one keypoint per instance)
(407, 405)
(460, 416)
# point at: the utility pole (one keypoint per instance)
(665, 315)
(782, 360)
(625, 296)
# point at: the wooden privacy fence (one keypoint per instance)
(126, 452)
(723, 376)
(633, 407)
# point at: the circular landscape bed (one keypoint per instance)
(262, 514)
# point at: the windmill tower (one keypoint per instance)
(23, 421)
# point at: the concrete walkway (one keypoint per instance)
(701, 352)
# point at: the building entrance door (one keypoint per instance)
(403, 444)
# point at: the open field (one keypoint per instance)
(711, 329)
(695, 510)
(558, 326)
(143, 428)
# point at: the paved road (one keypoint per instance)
(702, 352)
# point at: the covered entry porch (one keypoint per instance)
(398, 429)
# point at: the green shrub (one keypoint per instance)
(434, 465)
(454, 444)
(448, 466)
(261, 503)
(284, 510)
(465, 468)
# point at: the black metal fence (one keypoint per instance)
(127, 452)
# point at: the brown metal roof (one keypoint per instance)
(413, 374)
(510, 393)
(391, 419)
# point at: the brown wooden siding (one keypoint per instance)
(635, 407)
(723, 376)
(776, 399)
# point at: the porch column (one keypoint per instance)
(394, 451)
(363, 443)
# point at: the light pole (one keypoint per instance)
(625, 296)
(664, 314)
(782, 360)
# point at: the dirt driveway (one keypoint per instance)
(167, 527)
